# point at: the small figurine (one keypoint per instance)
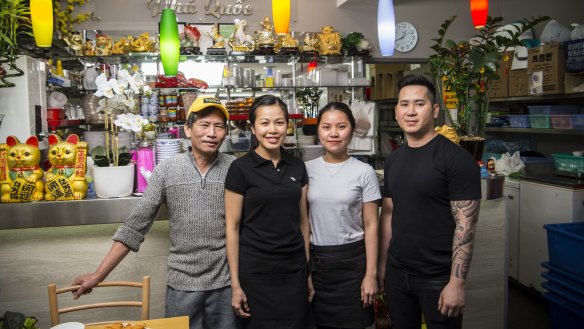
(103, 45)
(329, 41)
(89, 48)
(239, 41)
(287, 44)
(265, 39)
(122, 47)
(311, 43)
(65, 180)
(189, 40)
(142, 43)
(218, 47)
(75, 42)
(491, 166)
(21, 178)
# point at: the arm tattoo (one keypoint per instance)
(466, 215)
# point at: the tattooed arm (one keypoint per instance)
(466, 215)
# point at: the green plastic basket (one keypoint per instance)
(569, 165)
(540, 121)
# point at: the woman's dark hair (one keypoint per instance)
(266, 100)
(338, 106)
(418, 80)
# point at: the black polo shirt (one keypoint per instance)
(271, 196)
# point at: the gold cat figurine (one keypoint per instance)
(65, 180)
(21, 178)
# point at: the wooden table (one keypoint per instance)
(167, 323)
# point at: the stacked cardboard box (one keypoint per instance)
(500, 88)
(546, 68)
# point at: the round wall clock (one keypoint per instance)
(406, 37)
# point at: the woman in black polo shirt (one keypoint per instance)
(267, 226)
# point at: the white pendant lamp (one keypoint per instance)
(386, 27)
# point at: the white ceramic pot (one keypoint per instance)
(113, 182)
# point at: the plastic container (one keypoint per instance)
(519, 121)
(561, 121)
(574, 54)
(578, 121)
(556, 283)
(552, 109)
(569, 164)
(566, 246)
(55, 114)
(538, 166)
(565, 312)
(571, 280)
(540, 121)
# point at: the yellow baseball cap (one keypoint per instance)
(204, 102)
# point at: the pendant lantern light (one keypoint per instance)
(169, 42)
(386, 27)
(281, 16)
(479, 10)
(41, 15)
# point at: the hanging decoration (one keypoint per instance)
(479, 10)
(281, 16)
(386, 27)
(41, 14)
(169, 42)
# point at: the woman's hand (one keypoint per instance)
(369, 290)
(239, 303)
(310, 289)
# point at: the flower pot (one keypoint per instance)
(113, 182)
(474, 146)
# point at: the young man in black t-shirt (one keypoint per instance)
(431, 202)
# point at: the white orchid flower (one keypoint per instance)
(133, 122)
(136, 82)
(103, 86)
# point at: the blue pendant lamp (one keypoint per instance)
(169, 42)
(41, 16)
(386, 27)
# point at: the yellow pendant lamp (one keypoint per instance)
(41, 14)
(169, 42)
(281, 16)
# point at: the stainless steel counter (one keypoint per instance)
(66, 213)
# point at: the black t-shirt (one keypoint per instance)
(271, 215)
(421, 182)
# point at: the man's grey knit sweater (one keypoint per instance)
(195, 202)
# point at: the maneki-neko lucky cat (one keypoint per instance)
(21, 178)
(65, 180)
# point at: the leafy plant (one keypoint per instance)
(308, 98)
(14, 23)
(101, 158)
(468, 68)
(16, 320)
(65, 20)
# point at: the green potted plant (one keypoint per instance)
(355, 44)
(16, 320)
(467, 69)
(14, 23)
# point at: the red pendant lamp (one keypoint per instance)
(479, 10)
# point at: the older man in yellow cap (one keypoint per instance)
(192, 186)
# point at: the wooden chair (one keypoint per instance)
(144, 303)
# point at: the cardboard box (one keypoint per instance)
(546, 67)
(500, 88)
(573, 83)
(518, 83)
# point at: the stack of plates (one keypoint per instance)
(310, 152)
(167, 148)
(305, 140)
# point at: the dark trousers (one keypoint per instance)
(409, 296)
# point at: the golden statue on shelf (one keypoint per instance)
(75, 42)
(122, 46)
(286, 44)
(218, 40)
(265, 37)
(89, 48)
(142, 43)
(329, 41)
(65, 180)
(103, 45)
(239, 41)
(21, 178)
(311, 43)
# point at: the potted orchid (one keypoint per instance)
(113, 173)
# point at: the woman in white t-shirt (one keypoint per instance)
(343, 195)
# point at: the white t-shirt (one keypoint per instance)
(336, 193)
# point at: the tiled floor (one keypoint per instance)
(527, 309)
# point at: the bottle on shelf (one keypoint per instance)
(269, 82)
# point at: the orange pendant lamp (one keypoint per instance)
(479, 10)
(281, 16)
(41, 15)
